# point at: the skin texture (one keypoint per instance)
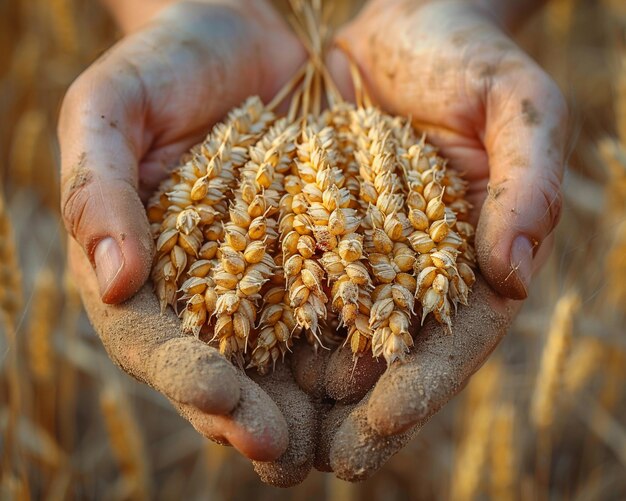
(127, 119)
(123, 124)
(493, 112)
(501, 120)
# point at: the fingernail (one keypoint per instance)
(522, 262)
(109, 261)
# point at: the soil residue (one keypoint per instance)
(531, 114)
(353, 440)
(296, 406)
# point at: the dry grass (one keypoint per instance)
(57, 441)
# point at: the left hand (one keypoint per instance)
(500, 120)
(123, 123)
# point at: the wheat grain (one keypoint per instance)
(443, 240)
(335, 213)
(304, 227)
(189, 206)
(246, 262)
(319, 198)
(345, 264)
(386, 230)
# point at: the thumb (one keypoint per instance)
(524, 138)
(100, 134)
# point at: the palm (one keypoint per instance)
(190, 68)
(438, 77)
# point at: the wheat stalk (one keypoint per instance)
(67, 380)
(552, 361)
(549, 378)
(620, 98)
(126, 441)
(10, 306)
(28, 134)
(503, 453)
(64, 25)
(41, 325)
(472, 451)
(585, 358)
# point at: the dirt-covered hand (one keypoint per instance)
(124, 122)
(501, 121)
(494, 113)
(365, 427)
(269, 419)
(127, 119)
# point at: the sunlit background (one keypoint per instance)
(543, 419)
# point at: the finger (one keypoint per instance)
(356, 449)
(134, 110)
(101, 138)
(524, 138)
(338, 66)
(333, 417)
(150, 347)
(293, 466)
(308, 366)
(347, 379)
(256, 426)
(440, 363)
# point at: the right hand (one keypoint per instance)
(124, 122)
(499, 119)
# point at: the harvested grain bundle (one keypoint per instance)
(345, 214)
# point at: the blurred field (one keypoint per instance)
(545, 418)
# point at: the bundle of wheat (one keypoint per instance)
(362, 218)
(349, 208)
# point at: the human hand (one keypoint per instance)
(500, 120)
(124, 122)
(268, 419)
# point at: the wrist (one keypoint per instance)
(509, 14)
(130, 15)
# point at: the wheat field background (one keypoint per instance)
(544, 419)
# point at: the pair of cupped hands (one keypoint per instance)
(490, 109)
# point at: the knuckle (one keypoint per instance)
(78, 99)
(86, 92)
(76, 90)
(553, 94)
(79, 92)
(75, 201)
